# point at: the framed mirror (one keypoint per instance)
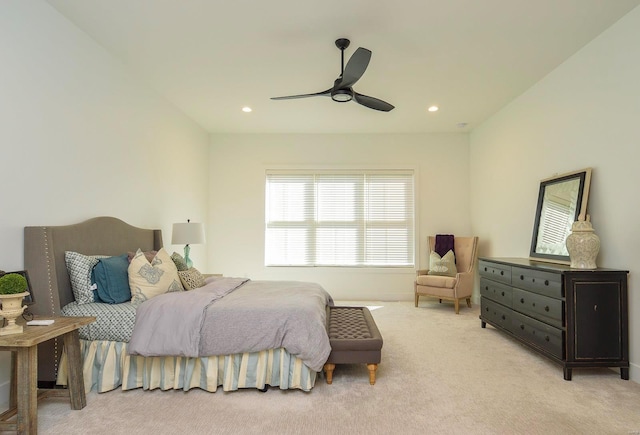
(562, 199)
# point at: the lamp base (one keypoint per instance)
(187, 250)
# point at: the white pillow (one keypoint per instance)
(445, 266)
(149, 279)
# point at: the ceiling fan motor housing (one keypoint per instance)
(342, 95)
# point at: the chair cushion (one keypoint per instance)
(436, 281)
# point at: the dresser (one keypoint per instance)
(578, 318)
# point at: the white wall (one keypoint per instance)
(80, 137)
(583, 114)
(237, 188)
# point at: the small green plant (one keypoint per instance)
(12, 283)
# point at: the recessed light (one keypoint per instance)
(433, 109)
(246, 109)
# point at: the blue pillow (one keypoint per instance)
(111, 278)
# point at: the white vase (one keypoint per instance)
(12, 308)
(583, 245)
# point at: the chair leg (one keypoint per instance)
(469, 302)
(417, 297)
(457, 305)
(440, 300)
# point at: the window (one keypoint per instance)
(337, 218)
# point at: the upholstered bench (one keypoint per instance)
(354, 339)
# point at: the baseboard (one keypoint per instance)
(634, 373)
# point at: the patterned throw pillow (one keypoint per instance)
(79, 267)
(191, 278)
(149, 279)
(179, 261)
(445, 266)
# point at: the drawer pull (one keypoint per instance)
(533, 304)
(546, 308)
(546, 338)
(522, 300)
(502, 272)
(503, 318)
(502, 293)
(485, 269)
(486, 287)
(533, 280)
(546, 282)
(521, 277)
(522, 326)
(595, 307)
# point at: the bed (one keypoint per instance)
(105, 345)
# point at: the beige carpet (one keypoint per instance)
(440, 374)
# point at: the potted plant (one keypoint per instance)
(13, 289)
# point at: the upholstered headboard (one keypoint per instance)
(44, 249)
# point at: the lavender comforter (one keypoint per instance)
(234, 315)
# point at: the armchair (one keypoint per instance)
(449, 287)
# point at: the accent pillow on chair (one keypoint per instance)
(444, 266)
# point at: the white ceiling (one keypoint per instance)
(470, 57)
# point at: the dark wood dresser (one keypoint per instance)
(575, 317)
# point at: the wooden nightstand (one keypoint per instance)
(24, 394)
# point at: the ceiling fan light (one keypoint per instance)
(342, 95)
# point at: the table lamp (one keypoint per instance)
(188, 233)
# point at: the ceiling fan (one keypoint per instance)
(342, 90)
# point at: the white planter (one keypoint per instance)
(12, 308)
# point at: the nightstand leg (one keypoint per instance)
(27, 395)
(74, 360)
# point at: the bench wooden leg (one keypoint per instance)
(328, 371)
(372, 373)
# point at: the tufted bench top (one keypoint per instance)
(353, 329)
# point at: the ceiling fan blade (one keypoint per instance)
(292, 97)
(372, 103)
(356, 66)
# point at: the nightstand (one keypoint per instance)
(24, 395)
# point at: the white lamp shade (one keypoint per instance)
(187, 233)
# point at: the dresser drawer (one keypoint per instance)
(496, 314)
(495, 271)
(545, 283)
(546, 309)
(496, 291)
(539, 334)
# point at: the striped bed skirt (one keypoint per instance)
(107, 366)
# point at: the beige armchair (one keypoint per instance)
(449, 287)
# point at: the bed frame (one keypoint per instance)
(44, 249)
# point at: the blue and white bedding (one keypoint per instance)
(114, 322)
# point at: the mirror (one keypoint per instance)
(561, 200)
